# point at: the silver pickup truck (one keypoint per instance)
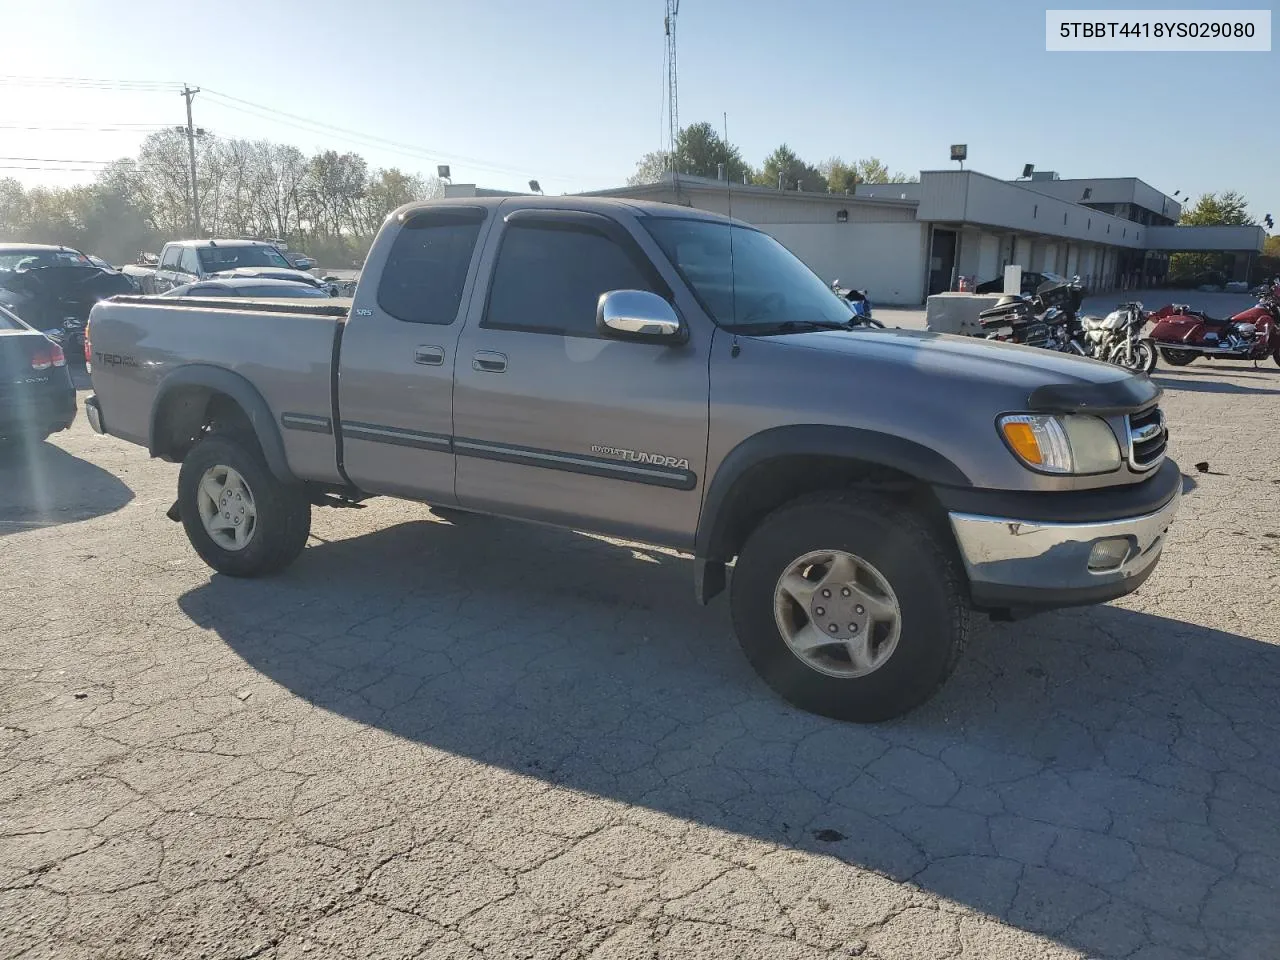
(660, 374)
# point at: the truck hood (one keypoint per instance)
(1050, 381)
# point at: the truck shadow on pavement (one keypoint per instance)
(1189, 385)
(41, 485)
(1107, 778)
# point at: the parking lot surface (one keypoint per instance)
(484, 739)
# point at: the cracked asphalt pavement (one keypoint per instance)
(483, 739)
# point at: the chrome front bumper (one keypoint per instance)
(1014, 562)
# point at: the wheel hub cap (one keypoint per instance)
(837, 613)
(227, 508)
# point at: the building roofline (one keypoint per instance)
(710, 184)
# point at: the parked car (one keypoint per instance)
(36, 395)
(53, 288)
(610, 366)
(186, 261)
(250, 287)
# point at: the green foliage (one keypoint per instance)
(843, 176)
(651, 168)
(1229, 209)
(699, 152)
(794, 172)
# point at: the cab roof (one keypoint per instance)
(600, 205)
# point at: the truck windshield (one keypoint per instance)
(214, 259)
(766, 286)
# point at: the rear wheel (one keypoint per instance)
(849, 607)
(1177, 358)
(240, 518)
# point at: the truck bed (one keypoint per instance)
(284, 349)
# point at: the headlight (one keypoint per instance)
(1073, 444)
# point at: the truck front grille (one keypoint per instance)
(1148, 438)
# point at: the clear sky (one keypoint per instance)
(572, 91)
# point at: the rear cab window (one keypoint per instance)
(426, 270)
(549, 275)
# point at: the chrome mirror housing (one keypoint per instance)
(638, 315)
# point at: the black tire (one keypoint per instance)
(283, 520)
(1177, 358)
(1149, 364)
(919, 568)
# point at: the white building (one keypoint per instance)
(904, 241)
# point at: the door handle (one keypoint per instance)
(489, 361)
(430, 356)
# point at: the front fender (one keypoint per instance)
(867, 446)
(239, 389)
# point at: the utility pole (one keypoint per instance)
(188, 94)
(673, 110)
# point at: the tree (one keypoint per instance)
(794, 172)
(700, 151)
(651, 168)
(1229, 209)
(841, 177)
(1272, 246)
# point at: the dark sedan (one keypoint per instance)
(36, 395)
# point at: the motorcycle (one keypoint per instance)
(1049, 320)
(1046, 319)
(858, 302)
(1116, 338)
(1183, 334)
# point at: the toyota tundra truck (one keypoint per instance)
(664, 375)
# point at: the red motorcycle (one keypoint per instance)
(1182, 334)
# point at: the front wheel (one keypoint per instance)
(1140, 357)
(241, 519)
(849, 607)
(1145, 350)
(1177, 358)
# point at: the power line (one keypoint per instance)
(87, 128)
(51, 160)
(370, 140)
(87, 82)
(5, 166)
(263, 112)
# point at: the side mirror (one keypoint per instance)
(638, 315)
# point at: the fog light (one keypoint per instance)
(1108, 554)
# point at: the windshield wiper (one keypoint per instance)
(788, 326)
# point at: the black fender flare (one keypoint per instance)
(239, 389)
(711, 546)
